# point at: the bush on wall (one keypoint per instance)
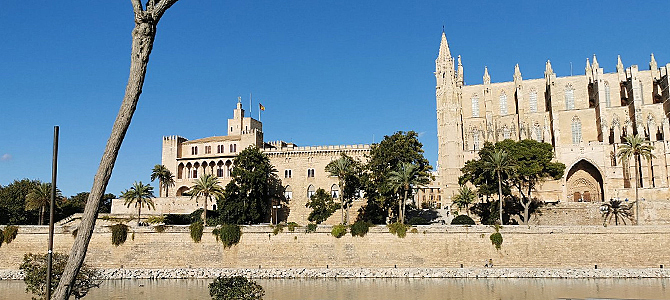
(196, 231)
(119, 234)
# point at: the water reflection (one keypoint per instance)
(381, 288)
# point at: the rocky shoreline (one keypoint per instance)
(292, 273)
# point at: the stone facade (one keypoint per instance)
(301, 169)
(584, 117)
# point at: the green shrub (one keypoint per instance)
(462, 220)
(418, 221)
(311, 227)
(105, 218)
(414, 230)
(229, 234)
(10, 233)
(292, 226)
(119, 234)
(360, 228)
(398, 229)
(34, 267)
(177, 219)
(235, 288)
(159, 228)
(496, 240)
(156, 219)
(339, 231)
(196, 231)
(276, 229)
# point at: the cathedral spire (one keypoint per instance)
(652, 64)
(487, 78)
(619, 64)
(444, 48)
(459, 75)
(588, 69)
(547, 68)
(595, 62)
(517, 73)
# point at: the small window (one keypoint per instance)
(219, 172)
(288, 173)
(310, 173)
(475, 106)
(532, 98)
(569, 98)
(219, 149)
(288, 192)
(503, 104)
(208, 149)
(233, 148)
(506, 133)
(195, 173)
(194, 150)
(576, 131)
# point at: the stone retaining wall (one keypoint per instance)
(568, 247)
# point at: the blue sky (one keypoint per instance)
(328, 72)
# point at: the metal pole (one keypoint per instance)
(54, 167)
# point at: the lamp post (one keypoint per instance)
(54, 168)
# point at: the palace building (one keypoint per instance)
(584, 117)
(301, 169)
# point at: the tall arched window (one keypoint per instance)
(537, 132)
(503, 103)
(475, 140)
(608, 102)
(475, 106)
(288, 192)
(532, 98)
(310, 191)
(569, 97)
(335, 191)
(576, 131)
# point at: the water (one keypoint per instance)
(381, 288)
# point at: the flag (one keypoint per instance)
(261, 107)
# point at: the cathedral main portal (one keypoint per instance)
(584, 183)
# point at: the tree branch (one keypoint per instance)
(161, 7)
(137, 7)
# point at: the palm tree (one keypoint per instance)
(341, 168)
(499, 163)
(614, 209)
(164, 176)
(141, 195)
(635, 146)
(207, 186)
(464, 198)
(407, 176)
(40, 198)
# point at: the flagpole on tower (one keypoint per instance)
(250, 104)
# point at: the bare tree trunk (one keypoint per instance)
(41, 215)
(404, 201)
(143, 35)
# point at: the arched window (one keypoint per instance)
(310, 172)
(195, 170)
(288, 173)
(608, 102)
(569, 97)
(537, 132)
(576, 131)
(335, 191)
(641, 91)
(532, 99)
(310, 191)
(506, 133)
(180, 171)
(475, 106)
(288, 192)
(503, 103)
(219, 169)
(475, 140)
